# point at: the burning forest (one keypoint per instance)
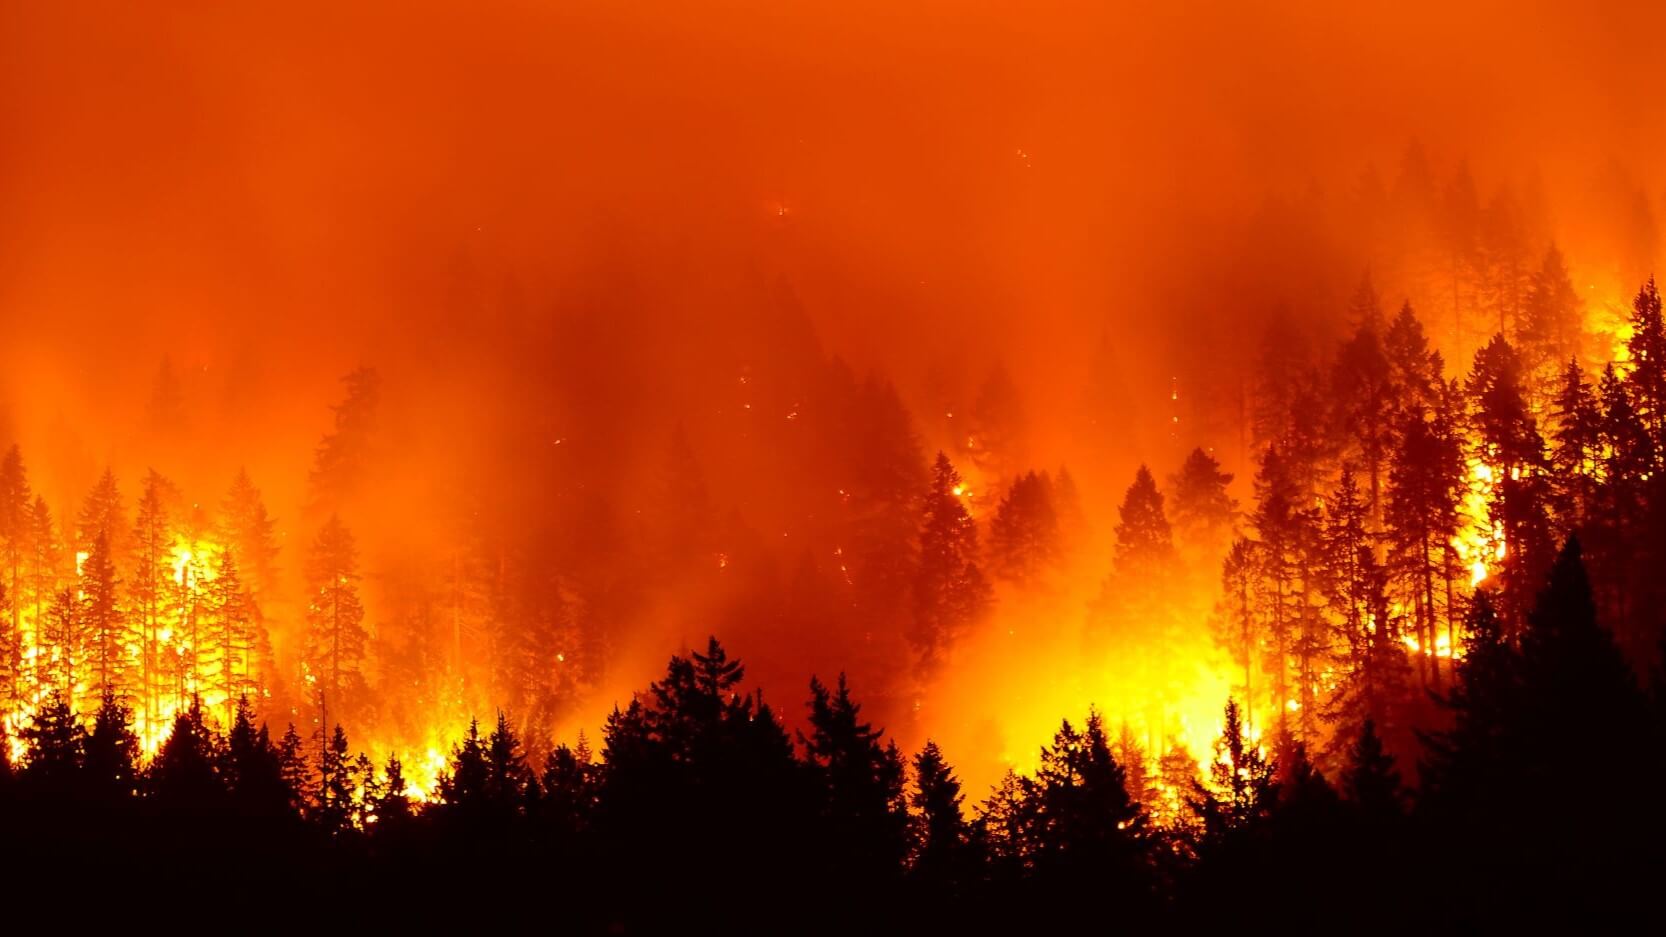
(832, 470)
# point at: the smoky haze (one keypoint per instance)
(570, 236)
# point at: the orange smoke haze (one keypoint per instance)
(569, 234)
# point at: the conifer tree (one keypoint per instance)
(1202, 512)
(112, 750)
(15, 534)
(151, 586)
(1024, 539)
(339, 463)
(337, 804)
(950, 591)
(1552, 326)
(104, 623)
(861, 780)
(56, 745)
(336, 639)
(1242, 790)
(1576, 447)
(296, 773)
(940, 856)
(1647, 376)
(1511, 447)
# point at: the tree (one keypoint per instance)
(227, 654)
(1361, 392)
(337, 803)
(1287, 544)
(102, 512)
(336, 639)
(941, 853)
(507, 776)
(1087, 827)
(950, 592)
(861, 781)
(1424, 498)
(151, 586)
(1552, 323)
(16, 532)
(56, 748)
(103, 623)
(1370, 782)
(1513, 452)
(393, 809)
(568, 787)
(1647, 377)
(339, 463)
(296, 773)
(1576, 447)
(60, 629)
(112, 750)
(996, 442)
(184, 776)
(1202, 512)
(1242, 790)
(1024, 538)
(253, 769)
(1239, 620)
(249, 534)
(1144, 540)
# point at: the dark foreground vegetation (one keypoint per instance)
(1538, 799)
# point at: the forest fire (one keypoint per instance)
(938, 469)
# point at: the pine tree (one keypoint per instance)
(43, 562)
(249, 533)
(151, 586)
(1511, 447)
(1024, 539)
(507, 777)
(1242, 791)
(941, 853)
(950, 592)
(103, 623)
(1577, 447)
(227, 655)
(56, 746)
(1144, 540)
(1287, 532)
(336, 639)
(296, 773)
(184, 776)
(1414, 370)
(1552, 327)
(339, 463)
(337, 803)
(997, 438)
(112, 750)
(15, 534)
(102, 512)
(1239, 623)
(861, 779)
(1370, 782)
(1202, 512)
(1424, 499)
(253, 768)
(1086, 827)
(568, 783)
(1647, 376)
(1361, 398)
(393, 809)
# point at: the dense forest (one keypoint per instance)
(843, 466)
(1441, 614)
